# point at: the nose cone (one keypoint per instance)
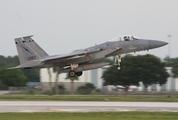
(155, 44)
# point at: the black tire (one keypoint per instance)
(72, 73)
(79, 73)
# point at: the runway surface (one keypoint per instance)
(51, 106)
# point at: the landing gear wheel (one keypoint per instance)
(119, 68)
(79, 73)
(72, 73)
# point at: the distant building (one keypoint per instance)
(90, 76)
(171, 84)
(94, 77)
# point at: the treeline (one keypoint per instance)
(172, 62)
(147, 69)
(16, 77)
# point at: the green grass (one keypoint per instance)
(125, 98)
(91, 116)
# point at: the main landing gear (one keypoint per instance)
(72, 73)
(117, 60)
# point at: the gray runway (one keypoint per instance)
(51, 106)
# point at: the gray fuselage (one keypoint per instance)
(111, 48)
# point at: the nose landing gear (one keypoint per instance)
(117, 61)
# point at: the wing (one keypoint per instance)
(61, 60)
(72, 55)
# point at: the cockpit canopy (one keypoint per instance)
(128, 38)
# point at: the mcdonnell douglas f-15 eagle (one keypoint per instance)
(31, 55)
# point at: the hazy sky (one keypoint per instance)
(61, 26)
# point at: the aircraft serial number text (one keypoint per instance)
(31, 58)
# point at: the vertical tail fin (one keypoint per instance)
(28, 49)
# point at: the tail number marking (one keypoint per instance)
(31, 58)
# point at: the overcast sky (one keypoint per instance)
(61, 26)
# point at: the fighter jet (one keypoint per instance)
(31, 55)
